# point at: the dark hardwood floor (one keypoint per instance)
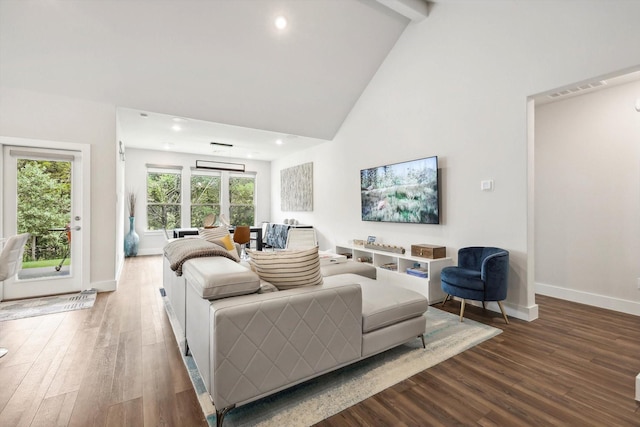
(118, 364)
(574, 366)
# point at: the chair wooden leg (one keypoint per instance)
(445, 299)
(462, 310)
(484, 305)
(503, 312)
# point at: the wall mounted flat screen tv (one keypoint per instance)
(401, 192)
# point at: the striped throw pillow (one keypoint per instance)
(215, 233)
(288, 269)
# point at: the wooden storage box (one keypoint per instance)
(428, 251)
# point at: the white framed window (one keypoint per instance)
(164, 197)
(206, 196)
(242, 198)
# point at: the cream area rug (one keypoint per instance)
(18, 309)
(322, 397)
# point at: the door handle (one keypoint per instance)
(76, 228)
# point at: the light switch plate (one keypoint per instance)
(486, 185)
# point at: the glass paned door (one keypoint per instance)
(41, 192)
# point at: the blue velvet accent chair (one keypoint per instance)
(481, 275)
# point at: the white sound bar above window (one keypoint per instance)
(221, 166)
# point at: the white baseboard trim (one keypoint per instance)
(150, 251)
(588, 298)
(528, 314)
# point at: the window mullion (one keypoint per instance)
(224, 197)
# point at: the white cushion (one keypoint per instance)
(219, 277)
(383, 304)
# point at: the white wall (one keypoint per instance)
(456, 86)
(25, 114)
(587, 198)
(152, 242)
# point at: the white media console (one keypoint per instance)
(429, 286)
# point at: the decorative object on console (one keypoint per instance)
(390, 266)
(424, 250)
(358, 242)
(401, 192)
(327, 258)
(131, 240)
(418, 271)
(296, 188)
(385, 248)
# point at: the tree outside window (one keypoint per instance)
(242, 200)
(163, 200)
(44, 203)
(205, 197)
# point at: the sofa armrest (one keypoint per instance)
(264, 343)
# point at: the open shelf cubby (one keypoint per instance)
(428, 286)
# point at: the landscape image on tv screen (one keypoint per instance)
(401, 192)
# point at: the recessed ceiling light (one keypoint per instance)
(168, 145)
(176, 127)
(179, 120)
(279, 141)
(281, 22)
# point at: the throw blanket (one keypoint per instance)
(180, 251)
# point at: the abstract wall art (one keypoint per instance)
(296, 188)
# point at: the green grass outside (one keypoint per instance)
(45, 263)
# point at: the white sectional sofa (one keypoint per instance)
(249, 346)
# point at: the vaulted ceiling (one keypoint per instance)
(222, 65)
